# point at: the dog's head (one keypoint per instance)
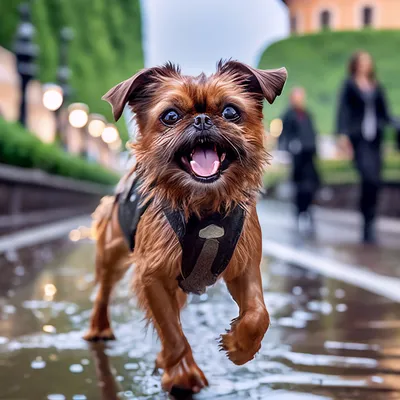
(201, 139)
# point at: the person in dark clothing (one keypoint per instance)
(299, 139)
(361, 119)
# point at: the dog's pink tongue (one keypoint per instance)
(205, 162)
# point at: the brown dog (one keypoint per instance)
(200, 154)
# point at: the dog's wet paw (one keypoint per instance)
(184, 377)
(235, 350)
(96, 335)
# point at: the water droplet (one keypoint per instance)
(9, 309)
(120, 378)
(38, 363)
(128, 393)
(3, 340)
(131, 366)
(49, 290)
(377, 379)
(71, 309)
(326, 308)
(19, 270)
(297, 290)
(79, 397)
(341, 307)
(85, 361)
(55, 397)
(76, 368)
(49, 329)
(203, 297)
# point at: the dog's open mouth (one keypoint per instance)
(205, 161)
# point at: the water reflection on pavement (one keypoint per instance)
(328, 340)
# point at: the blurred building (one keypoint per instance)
(308, 16)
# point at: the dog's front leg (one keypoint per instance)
(247, 331)
(163, 305)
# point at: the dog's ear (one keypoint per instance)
(268, 82)
(133, 89)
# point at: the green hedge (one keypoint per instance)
(106, 48)
(23, 149)
(337, 172)
(319, 63)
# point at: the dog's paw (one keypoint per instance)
(243, 341)
(237, 351)
(184, 377)
(96, 335)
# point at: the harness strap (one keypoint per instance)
(207, 244)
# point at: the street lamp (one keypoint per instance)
(96, 125)
(110, 134)
(52, 96)
(63, 75)
(26, 53)
(78, 115)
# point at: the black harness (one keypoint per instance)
(207, 244)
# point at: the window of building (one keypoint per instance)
(293, 24)
(325, 20)
(367, 16)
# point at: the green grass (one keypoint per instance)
(319, 63)
(336, 172)
(21, 148)
(106, 48)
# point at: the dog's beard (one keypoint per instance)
(197, 171)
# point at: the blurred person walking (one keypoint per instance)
(299, 139)
(361, 119)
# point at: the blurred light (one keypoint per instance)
(49, 290)
(74, 235)
(49, 329)
(116, 145)
(52, 96)
(78, 115)
(276, 127)
(96, 125)
(110, 134)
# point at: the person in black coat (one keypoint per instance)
(361, 120)
(299, 139)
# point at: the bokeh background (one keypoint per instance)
(333, 301)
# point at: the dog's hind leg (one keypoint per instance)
(110, 271)
(112, 261)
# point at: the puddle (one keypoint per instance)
(328, 340)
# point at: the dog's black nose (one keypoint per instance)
(202, 122)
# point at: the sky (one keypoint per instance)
(197, 33)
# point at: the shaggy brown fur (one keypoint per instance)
(157, 255)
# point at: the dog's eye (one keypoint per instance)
(230, 114)
(170, 117)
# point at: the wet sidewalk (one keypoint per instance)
(328, 339)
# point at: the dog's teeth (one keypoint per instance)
(223, 156)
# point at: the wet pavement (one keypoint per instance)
(328, 340)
